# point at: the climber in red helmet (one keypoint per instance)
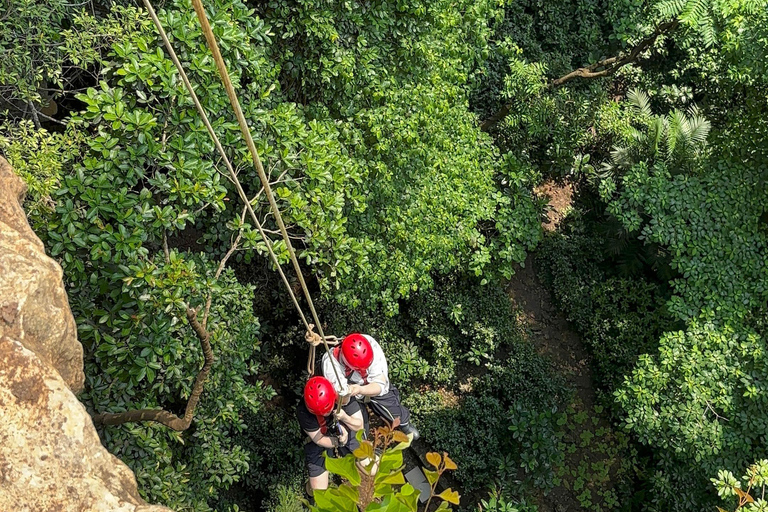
(328, 432)
(361, 360)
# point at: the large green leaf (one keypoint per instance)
(344, 467)
(409, 496)
(335, 500)
(390, 461)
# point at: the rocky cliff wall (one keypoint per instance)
(51, 458)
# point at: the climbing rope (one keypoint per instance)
(313, 338)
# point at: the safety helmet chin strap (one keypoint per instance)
(323, 425)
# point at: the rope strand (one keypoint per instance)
(223, 154)
(210, 38)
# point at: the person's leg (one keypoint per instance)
(389, 408)
(319, 483)
(318, 476)
(366, 419)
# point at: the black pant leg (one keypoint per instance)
(315, 460)
(388, 407)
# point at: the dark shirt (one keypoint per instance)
(309, 423)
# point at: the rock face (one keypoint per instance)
(51, 458)
(33, 304)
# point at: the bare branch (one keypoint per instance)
(222, 264)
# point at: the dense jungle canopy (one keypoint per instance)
(409, 145)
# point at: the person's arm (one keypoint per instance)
(321, 440)
(353, 421)
(378, 374)
(371, 389)
(328, 372)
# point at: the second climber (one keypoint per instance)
(361, 361)
(329, 433)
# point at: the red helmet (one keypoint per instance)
(357, 352)
(319, 396)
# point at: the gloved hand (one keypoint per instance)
(343, 435)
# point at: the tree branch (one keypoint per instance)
(599, 69)
(222, 264)
(161, 416)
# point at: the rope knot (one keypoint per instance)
(312, 337)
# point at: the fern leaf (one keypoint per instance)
(671, 8)
(640, 100)
(695, 12)
(707, 30)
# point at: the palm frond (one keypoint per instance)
(656, 130)
(620, 158)
(636, 135)
(676, 131)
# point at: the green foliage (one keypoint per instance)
(750, 495)
(452, 422)
(46, 46)
(427, 196)
(499, 502)
(448, 420)
(685, 400)
(274, 441)
(286, 498)
(599, 460)
(458, 321)
(619, 318)
(156, 369)
(38, 157)
(535, 442)
(678, 140)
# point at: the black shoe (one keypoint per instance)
(410, 429)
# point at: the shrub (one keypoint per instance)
(38, 157)
(473, 427)
(286, 498)
(619, 318)
(458, 322)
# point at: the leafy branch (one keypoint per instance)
(162, 416)
(599, 69)
(374, 479)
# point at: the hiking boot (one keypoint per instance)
(308, 489)
(410, 429)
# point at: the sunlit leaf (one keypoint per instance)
(400, 437)
(344, 467)
(450, 496)
(434, 459)
(365, 451)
